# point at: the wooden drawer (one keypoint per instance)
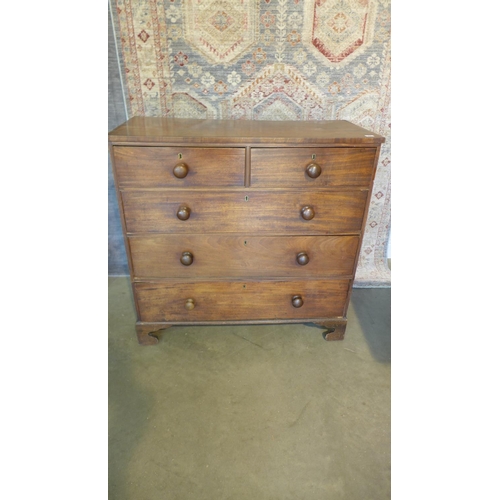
(287, 167)
(219, 256)
(240, 300)
(154, 166)
(259, 211)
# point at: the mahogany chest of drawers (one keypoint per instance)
(241, 222)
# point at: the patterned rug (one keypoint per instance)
(267, 60)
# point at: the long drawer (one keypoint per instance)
(212, 256)
(179, 167)
(312, 167)
(262, 211)
(240, 300)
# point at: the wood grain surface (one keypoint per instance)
(239, 300)
(153, 166)
(286, 167)
(193, 131)
(215, 256)
(243, 211)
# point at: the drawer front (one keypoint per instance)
(213, 256)
(244, 211)
(239, 301)
(291, 167)
(154, 166)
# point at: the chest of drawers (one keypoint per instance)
(242, 222)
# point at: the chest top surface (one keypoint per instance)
(185, 130)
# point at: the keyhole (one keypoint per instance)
(246, 198)
(245, 243)
(244, 286)
(313, 157)
(180, 156)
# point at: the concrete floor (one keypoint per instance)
(250, 412)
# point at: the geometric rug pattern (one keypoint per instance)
(301, 60)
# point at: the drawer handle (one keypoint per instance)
(302, 258)
(313, 170)
(189, 305)
(307, 212)
(181, 170)
(187, 258)
(183, 213)
(297, 301)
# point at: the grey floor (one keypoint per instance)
(250, 412)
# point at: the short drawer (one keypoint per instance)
(279, 212)
(311, 167)
(179, 167)
(227, 256)
(240, 300)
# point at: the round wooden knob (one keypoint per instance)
(297, 301)
(181, 170)
(189, 305)
(183, 213)
(187, 258)
(313, 170)
(302, 258)
(307, 213)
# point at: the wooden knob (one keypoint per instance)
(183, 213)
(302, 258)
(187, 258)
(307, 212)
(297, 301)
(181, 170)
(189, 305)
(313, 170)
